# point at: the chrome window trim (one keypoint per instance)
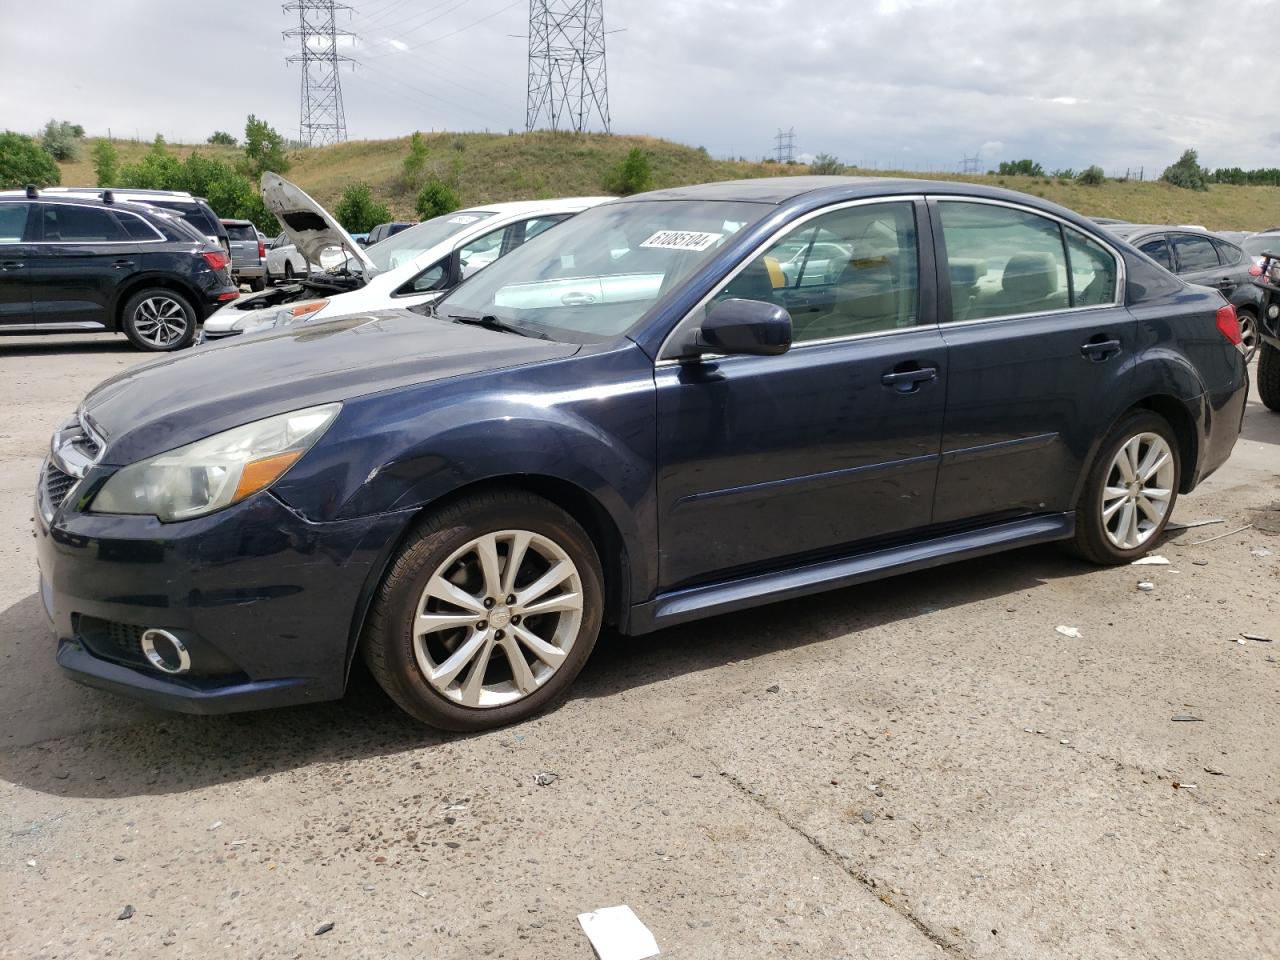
(664, 360)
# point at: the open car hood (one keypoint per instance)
(310, 227)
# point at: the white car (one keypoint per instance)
(413, 267)
(286, 264)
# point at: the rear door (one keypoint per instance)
(15, 273)
(81, 256)
(1036, 335)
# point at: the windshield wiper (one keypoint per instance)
(490, 322)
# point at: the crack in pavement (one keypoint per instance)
(843, 863)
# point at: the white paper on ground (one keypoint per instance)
(616, 933)
(1153, 560)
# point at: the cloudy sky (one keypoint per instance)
(913, 84)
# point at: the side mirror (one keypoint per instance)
(750, 327)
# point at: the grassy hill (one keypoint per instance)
(493, 167)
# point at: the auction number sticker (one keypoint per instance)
(681, 240)
(463, 219)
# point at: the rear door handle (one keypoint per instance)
(1099, 350)
(11, 264)
(908, 381)
(122, 264)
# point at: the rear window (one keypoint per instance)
(242, 232)
(1228, 253)
(136, 227)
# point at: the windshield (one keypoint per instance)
(595, 275)
(409, 244)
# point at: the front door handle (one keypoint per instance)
(122, 264)
(1099, 350)
(11, 264)
(908, 381)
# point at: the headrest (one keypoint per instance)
(1031, 276)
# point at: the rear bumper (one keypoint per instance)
(252, 271)
(1224, 417)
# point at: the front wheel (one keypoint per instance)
(1130, 492)
(159, 320)
(487, 614)
(288, 272)
(1269, 376)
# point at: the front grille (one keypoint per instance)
(57, 485)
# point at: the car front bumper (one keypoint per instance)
(267, 603)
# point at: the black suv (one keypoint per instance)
(76, 265)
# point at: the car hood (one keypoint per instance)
(197, 393)
(310, 227)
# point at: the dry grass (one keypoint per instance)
(493, 167)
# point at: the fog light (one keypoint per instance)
(165, 652)
(1273, 311)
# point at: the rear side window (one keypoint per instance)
(75, 224)
(241, 232)
(1157, 248)
(1003, 262)
(1228, 253)
(136, 228)
(13, 221)
(1194, 253)
(1093, 271)
(193, 213)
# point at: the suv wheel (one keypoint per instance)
(1269, 376)
(1130, 492)
(158, 319)
(487, 613)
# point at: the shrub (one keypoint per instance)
(436, 199)
(61, 141)
(263, 149)
(22, 161)
(358, 212)
(222, 138)
(1092, 176)
(632, 175)
(1066, 174)
(1021, 168)
(106, 163)
(157, 170)
(415, 164)
(1186, 173)
(824, 164)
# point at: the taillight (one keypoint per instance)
(1255, 270)
(1228, 323)
(262, 250)
(216, 261)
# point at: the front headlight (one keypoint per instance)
(215, 472)
(283, 317)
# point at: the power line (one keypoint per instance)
(785, 151)
(568, 82)
(321, 116)
(452, 33)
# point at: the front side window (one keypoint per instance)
(1194, 253)
(1003, 262)
(1093, 271)
(76, 224)
(1157, 248)
(847, 273)
(477, 254)
(13, 221)
(408, 245)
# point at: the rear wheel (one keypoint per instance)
(487, 614)
(1130, 492)
(1249, 336)
(1269, 376)
(258, 284)
(288, 272)
(158, 319)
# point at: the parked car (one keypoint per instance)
(195, 210)
(1268, 281)
(632, 420)
(72, 264)
(384, 230)
(412, 268)
(361, 238)
(1205, 259)
(248, 253)
(1255, 245)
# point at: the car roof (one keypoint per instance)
(1128, 231)
(137, 191)
(83, 201)
(536, 206)
(227, 222)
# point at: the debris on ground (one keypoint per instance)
(616, 933)
(1152, 560)
(1185, 718)
(1194, 523)
(1146, 586)
(1214, 771)
(323, 929)
(126, 913)
(1196, 543)
(1200, 563)
(215, 825)
(1072, 632)
(1259, 552)
(1183, 786)
(773, 689)
(1256, 637)
(868, 816)
(546, 778)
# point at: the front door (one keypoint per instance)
(831, 445)
(81, 256)
(1036, 334)
(15, 286)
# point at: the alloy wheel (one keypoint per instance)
(498, 618)
(1248, 333)
(160, 321)
(1138, 491)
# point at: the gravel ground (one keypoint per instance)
(917, 768)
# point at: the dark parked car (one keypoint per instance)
(75, 265)
(638, 419)
(384, 230)
(248, 254)
(1269, 327)
(195, 210)
(1207, 259)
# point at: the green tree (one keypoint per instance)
(263, 149)
(1187, 172)
(1021, 168)
(630, 176)
(436, 199)
(358, 212)
(824, 164)
(157, 170)
(1092, 176)
(106, 163)
(61, 141)
(415, 164)
(222, 138)
(23, 162)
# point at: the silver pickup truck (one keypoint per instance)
(248, 253)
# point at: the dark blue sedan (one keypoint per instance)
(684, 403)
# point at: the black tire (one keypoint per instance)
(159, 320)
(1269, 376)
(258, 284)
(288, 272)
(1249, 332)
(1091, 541)
(388, 643)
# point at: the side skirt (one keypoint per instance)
(680, 606)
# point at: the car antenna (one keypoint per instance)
(108, 196)
(32, 192)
